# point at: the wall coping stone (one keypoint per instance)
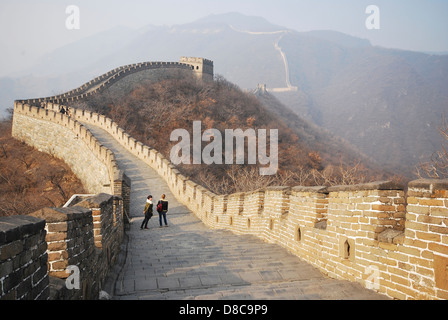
(377, 185)
(96, 201)
(316, 189)
(13, 228)
(53, 215)
(432, 184)
(278, 188)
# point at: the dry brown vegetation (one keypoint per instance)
(31, 180)
(437, 166)
(153, 109)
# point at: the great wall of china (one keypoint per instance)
(284, 59)
(387, 237)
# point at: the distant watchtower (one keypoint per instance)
(203, 68)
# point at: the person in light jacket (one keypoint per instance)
(162, 209)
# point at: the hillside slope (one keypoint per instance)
(150, 110)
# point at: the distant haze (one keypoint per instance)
(30, 28)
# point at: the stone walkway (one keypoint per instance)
(186, 260)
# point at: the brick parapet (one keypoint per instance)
(69, 238)
(23, 259)
(39, 247)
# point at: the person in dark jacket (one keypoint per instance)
(147, 212)
(163, 205)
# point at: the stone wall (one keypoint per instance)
(57, 134)
(38, 251)
(88, 236)
(53, 138)
(23, 259)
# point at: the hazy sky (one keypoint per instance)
(29, 28)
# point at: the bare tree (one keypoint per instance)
(302, 176)
(26, 160)
(339, 175)
(218, 186)
(437, 166)
(244, 179)
(56, 179)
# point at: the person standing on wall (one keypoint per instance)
(162, 209)
(147, 212)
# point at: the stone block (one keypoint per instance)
(11, 250)
(438, 248)
(441, 272)
(96, 201)
(55, 215)
(389, 235)
(429, 184)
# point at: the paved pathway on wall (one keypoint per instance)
(187, 260)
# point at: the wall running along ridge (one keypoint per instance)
(372, 233)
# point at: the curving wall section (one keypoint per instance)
(65, 138)
(104, 81)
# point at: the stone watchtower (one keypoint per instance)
(203, 68)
